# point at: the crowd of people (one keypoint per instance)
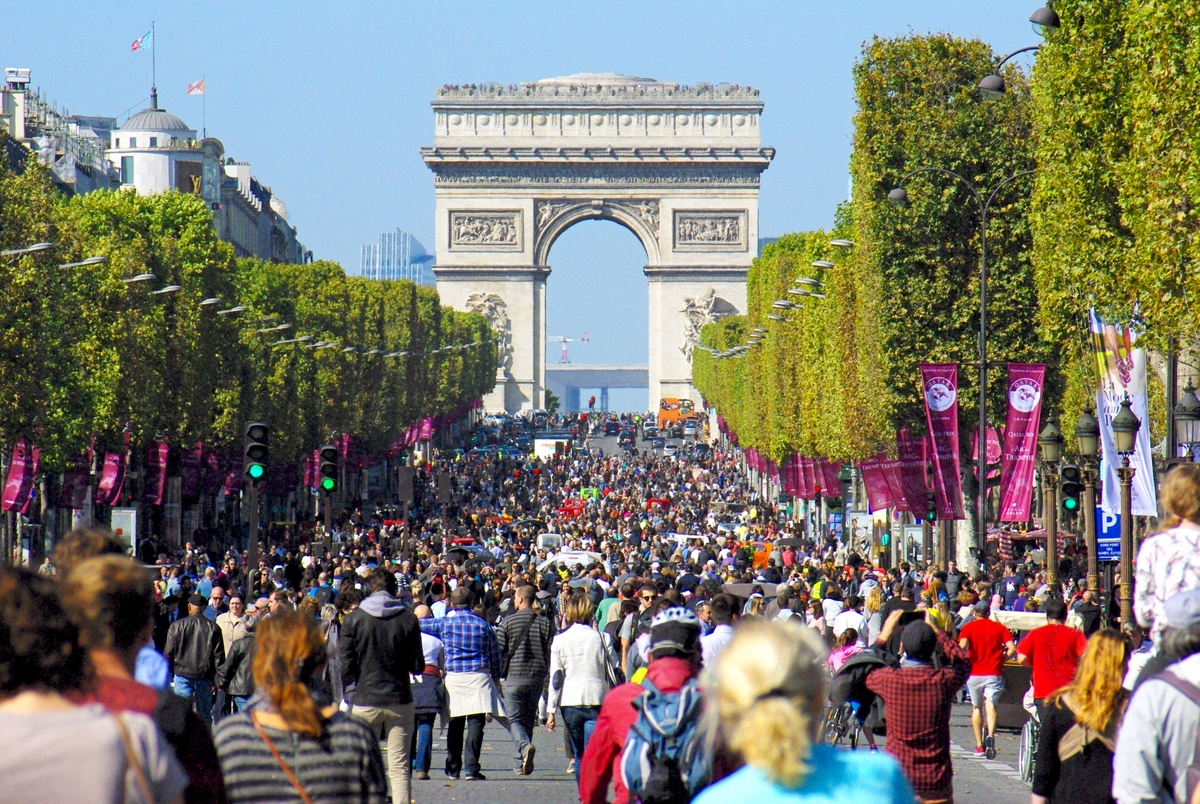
(677, 662)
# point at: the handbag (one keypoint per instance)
(612, 671)
(275, 752)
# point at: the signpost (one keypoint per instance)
(1108, 536)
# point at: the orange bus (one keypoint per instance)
(672, 410)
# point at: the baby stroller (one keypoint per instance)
(855, 711)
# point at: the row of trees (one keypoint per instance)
(841, 374)
(84, 354)
(1108, 220)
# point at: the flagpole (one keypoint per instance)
(153, 57)
(204, 106)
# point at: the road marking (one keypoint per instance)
(994, 765)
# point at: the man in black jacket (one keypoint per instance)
(235, 675)
(380, 646)
(195, 649)
(524, 638)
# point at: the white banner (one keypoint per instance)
(1122, 372)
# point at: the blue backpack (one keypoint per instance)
(665, 761)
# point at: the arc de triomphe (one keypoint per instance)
(514, 167)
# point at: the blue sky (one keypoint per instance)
(329, 102)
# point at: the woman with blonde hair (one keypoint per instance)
(1079, 727)
(872, 608)
(765, 700)
(289, 747)
(579, 675)
(1168, 562)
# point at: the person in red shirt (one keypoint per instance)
(988, 643)
(674, 658)
(1053, 650)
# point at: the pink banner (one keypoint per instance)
(879, 496)
(112, 479)
(156, 472)
(939, 382)
(912, 471)
(426, 429)
(808, 474)
(994, 453)
(311, 464)
(21, 472)
(234, 475)
(212, 479)
(1020, 440)
(76, 477)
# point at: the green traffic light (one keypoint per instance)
(256, 470)
(328, 483)
(1070, 503)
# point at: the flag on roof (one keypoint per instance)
(196, 88)
(138, 44)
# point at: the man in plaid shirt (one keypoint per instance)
(917, 697)
(472, 675)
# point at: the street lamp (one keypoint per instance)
(898, 197)
(83, 262)
(212, 301)
(1087, 434)
(1044, 21)
(241, 308)
(1125, 426)
(30, 249)
(1050, 441)
(992, 87)
(131, 280)
(166, 290)
(840, 243)
(1187, 420)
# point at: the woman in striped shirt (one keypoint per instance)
(286, 748)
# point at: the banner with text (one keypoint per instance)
(911, 453)
(21, 472)
(1122, 372)
(939, 385)
(1020, 440)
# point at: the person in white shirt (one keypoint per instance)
(852, 617)
(721, 607)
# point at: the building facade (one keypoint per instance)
(152, 152)
(397, 255)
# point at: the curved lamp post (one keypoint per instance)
(1187, 421)
(899, 198)
(992, 86)
(1050, 441)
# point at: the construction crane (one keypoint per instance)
(564, 341)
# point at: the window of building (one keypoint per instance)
(117, 142)
(133, 142)
(154, 142)
(126, 170)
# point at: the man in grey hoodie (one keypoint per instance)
(380, 646)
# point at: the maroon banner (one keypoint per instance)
(189, 470)
(939, 382)
(112, 479)
(426, 429)
(879, 496)
(212, 478)
(21, 472)
(808, 479)
(234, 475)
(1020, 440)
(76, 477)
(912, 470)
(994, 453)
(891, 474)
(311, 462)
(156, 472)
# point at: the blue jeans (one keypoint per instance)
(422, 745)
(199, 691)
(240, 702)
(580, 722)
(521, 705)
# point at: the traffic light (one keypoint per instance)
(329, 469)
(931, 506)
(254, 456)
(1071, 486)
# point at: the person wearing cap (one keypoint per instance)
(675, 657)
(195, 649)
(918, 696)
(988, 643)
(1157, 739)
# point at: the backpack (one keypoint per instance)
(1192, 692)
(665, 761)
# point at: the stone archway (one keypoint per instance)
(514, 167)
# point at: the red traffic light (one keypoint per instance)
(517, 475)
(537, 471)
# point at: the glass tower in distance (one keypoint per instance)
(398, 255)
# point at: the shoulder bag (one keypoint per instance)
(275, 752)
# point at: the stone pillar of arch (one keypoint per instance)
(515, 167)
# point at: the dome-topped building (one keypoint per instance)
(155, 151)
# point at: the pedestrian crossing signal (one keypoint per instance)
(1070, 487)
(329, 468)
(255, 453)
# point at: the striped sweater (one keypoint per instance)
(343, 766)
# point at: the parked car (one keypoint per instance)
(671, 449)
(658, 443)
(689, 428)
(611, 428)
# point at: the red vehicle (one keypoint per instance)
(657, 502)
(571, 509)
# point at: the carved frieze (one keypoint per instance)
(710, 230)
(485, 230)
(698, 311)
(577, 176)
